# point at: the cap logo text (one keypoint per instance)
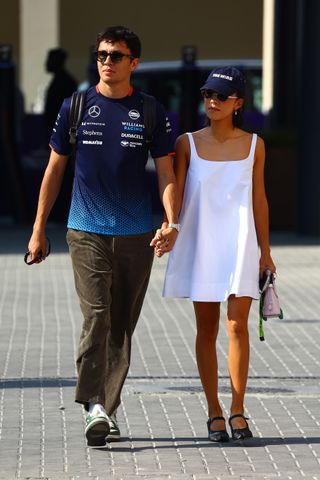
(220, 75)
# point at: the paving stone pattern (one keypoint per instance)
(163, 413)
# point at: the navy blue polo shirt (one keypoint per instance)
(110, 193)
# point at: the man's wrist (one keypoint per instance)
(39, 229)
(177, 226)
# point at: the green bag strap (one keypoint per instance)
(261, 319)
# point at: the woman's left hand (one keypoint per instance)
(266, 263)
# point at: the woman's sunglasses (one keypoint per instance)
(115, 56)
(217, 96)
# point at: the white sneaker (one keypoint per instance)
(97, 426)
(114, 430)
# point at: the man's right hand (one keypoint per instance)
(37, 244)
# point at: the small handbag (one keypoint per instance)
(269, 300)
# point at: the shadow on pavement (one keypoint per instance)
(203, 442)
(38, 382)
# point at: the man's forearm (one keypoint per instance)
(50, 188)
(47, 197)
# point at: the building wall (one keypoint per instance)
(219, 29)
(9, 25)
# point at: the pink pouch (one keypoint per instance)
(271, 305)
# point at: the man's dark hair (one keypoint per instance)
(120, 34)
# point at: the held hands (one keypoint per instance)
(164, 240)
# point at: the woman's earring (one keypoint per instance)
(236, 112)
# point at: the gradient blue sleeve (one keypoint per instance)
(59, 140)
(162, 142)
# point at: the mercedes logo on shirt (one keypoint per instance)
(94, 111)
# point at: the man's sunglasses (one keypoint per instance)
(115, 56)
(215, 95)
(27, 258)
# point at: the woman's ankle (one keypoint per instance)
(236, 408)
(215, 412)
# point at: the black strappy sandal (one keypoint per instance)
(240, 433)
(217, 435)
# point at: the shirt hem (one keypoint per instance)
(110, 233)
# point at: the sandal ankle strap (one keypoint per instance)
(236, 415)
(212, 419)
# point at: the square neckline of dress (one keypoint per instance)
(221, 161)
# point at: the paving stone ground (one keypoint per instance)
(163, 413)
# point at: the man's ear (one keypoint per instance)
(134, 64)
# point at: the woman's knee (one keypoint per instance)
(237, 328)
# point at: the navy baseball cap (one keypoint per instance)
(225, 80)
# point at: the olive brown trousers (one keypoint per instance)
(111, 276)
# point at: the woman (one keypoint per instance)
(220, 176)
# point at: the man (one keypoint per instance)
(110, 222)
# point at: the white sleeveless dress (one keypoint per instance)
(216, 252)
